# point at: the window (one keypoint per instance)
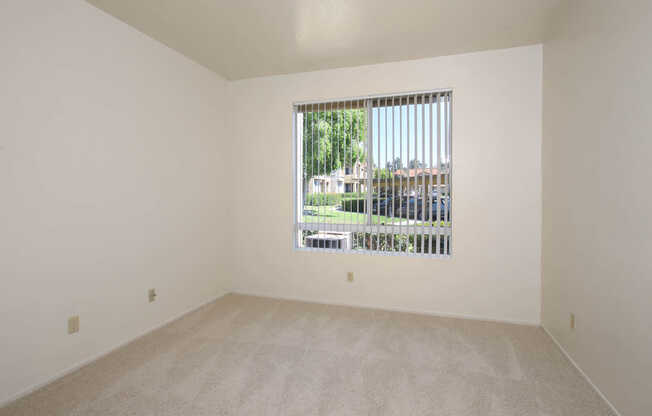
(390, 158)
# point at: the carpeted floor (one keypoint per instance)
(243, 355)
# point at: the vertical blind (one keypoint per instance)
(374, 174)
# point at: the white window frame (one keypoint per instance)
(297, 182)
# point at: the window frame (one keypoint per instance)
(297, 181)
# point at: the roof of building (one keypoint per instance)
(417, 172)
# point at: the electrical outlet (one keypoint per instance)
(73, 324)
(349, 276)
(572, 321)
(151, 295)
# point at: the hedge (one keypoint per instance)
(354, 205)
(322, 199)
(329, 199)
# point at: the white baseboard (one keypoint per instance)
(96, 357)
(581, 371)
(391, 309)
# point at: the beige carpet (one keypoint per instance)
(243, 355)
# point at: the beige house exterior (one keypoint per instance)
(412, 181)
(340, 180)
(409, 181)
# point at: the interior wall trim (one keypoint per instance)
(563, 351)
(96, 357)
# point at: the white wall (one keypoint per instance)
(597, 168)
(109, 174)
(495, 270)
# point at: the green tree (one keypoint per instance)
(383, 173)
(394, 165)
(416, 164)
(332, 140)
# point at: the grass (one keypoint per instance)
(329, 214)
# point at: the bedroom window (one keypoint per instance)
(373, 174)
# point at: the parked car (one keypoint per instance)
(406, 207)
(423, 213)
(412, 208)
(383, 206)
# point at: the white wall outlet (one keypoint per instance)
(572, 321)
(151, 294)
(73, 324)
(349, 276)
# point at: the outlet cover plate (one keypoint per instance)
(73, 324)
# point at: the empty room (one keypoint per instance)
(325, 207)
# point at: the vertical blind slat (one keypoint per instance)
(378, 183)
(408, 138)
(416, 176)
(392, 171)
(400, 178)
(431, 187)
(423, 171)
(438, 247)
(369, 172)
(385, 239)
(448, 167)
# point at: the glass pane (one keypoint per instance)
(334, 165)
(390, 195)
(404, 141)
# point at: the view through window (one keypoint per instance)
(374, 174)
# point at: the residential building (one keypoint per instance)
(340, 180)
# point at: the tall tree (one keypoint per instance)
(384, 173)
(416, 164)
(332, 140)
(394, 165)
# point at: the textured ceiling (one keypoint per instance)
(249, 38)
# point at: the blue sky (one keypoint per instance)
(390, 144)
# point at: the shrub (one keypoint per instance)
(354, 205)
(329, 199)
(399, 242)
(322, 199)
(352, 195)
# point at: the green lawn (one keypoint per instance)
(329, 214)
